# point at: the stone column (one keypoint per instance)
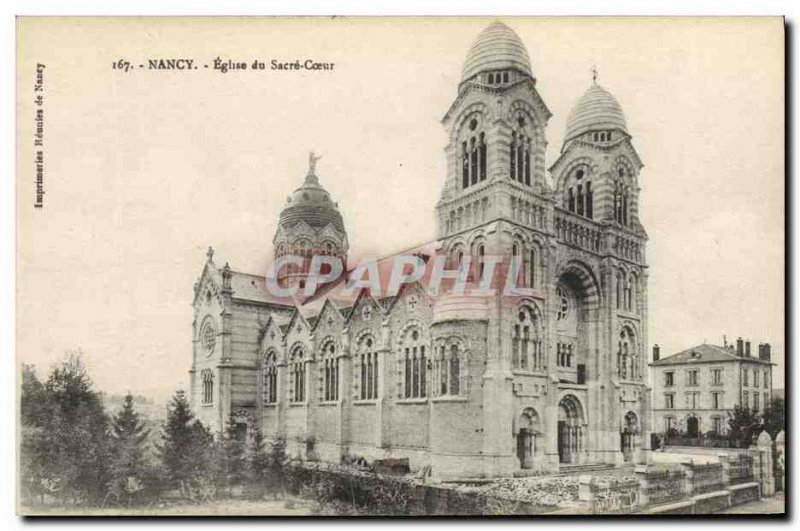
(724, 460)
(641, 475)
(688, 469)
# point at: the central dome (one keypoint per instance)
(312, 203)
(496, 48)
(597, 109)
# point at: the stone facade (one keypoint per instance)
(468, 385)
(697, 389)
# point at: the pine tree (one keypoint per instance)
(128, 435)
(232, 446)
(259, 462)
(187, 449)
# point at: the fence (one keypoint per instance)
(706, 478)
(664, 485)
(688, 487)
(740, 469)
(705, 441)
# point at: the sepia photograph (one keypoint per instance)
(401, 266)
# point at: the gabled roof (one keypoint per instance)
(704, 353)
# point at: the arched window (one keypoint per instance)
(580, 195)
(630, 293)
(330, 373)
(447, 370)
(415, 366)
(473, 155)
(627, 355)
(297, 373)
(269, 378)
(478, 253)
(207, 378)
(532, 267)
(621, 197)
(526, 345)
(520, 152)
(368, 361)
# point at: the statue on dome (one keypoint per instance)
(312, 163)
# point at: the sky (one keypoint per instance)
(146, 169)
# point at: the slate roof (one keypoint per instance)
(704, 353)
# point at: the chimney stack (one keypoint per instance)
(656, 352)
(740, 347)
(747, 348)
(767, 352)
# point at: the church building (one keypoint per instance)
(468, 386)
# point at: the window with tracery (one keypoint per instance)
(526, 344)
(368, 363)
(269, 378)
(297, 374)
(208, 336)
(579, 193)
(627, 356)
(330, 373)
(415, 367)
(563, 302)
(473, 155)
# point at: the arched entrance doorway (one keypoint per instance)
(570, 430)
(692, 426)
(628, 432)
(527, 430)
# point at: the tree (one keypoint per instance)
(232, 447)
(743, 426)
(128, 468)
(65, 444)
(775, 417)
(258, 462)
(186, 447)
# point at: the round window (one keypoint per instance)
(208, 336)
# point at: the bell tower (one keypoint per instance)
(496, 144)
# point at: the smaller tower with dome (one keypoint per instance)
(310, 224)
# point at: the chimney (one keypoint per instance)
(656, 352)
(739, 347)
(767, 353)
(747, 348)
(761, 351)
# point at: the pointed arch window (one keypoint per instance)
(448, 370)
(269, 378)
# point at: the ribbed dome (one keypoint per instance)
(311, 203)
(597, 109)
(496, 47)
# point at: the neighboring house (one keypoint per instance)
(695, 390)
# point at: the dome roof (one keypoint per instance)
(597, 109)
(496, 47)
(311, 203)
